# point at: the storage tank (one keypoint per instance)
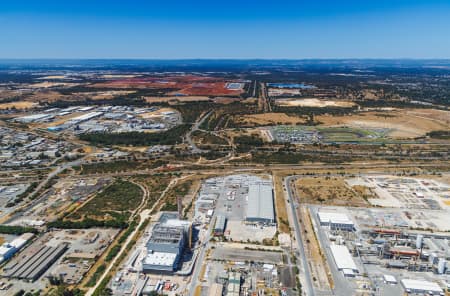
(419, 240)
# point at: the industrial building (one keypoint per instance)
(336, 221)
(260, 207)
(166, 244)
(219, 227)
(421, 287)
(234, 284)
(7, 250)
(33, 267)
(344, 260)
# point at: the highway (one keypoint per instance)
(304, 262)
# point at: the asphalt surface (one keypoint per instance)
(304, 262)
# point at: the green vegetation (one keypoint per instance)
(296, 157)
(443, 135)
(119, 166)
(17, 230)
(116, 202)
(102, 289)
(96, 275)
(311, 111)
(106, 167)
(247, 143)
(87, 223)
(23, 195)
(208, 138)
(169, 137)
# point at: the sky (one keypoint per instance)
(185, 29)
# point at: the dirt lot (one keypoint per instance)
(408, 123)
(313, 102)
(268, 119)
(329, 191)
(280, 205)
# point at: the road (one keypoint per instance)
(200, 259)
(304, 262)
(194, 128)
(263, 102)
(144, 215)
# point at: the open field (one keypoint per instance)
(268, 119)
(408, 123)
(280, 205)
(313, 102)
(328, 190)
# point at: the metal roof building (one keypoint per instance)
(421, 287)
(219, 227)
(335, 220)
(260, 204)
(343, 258)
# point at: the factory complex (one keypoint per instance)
(168, 240)
(383, 247)
(111, 119)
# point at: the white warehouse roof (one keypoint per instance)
(160, 258)
(419, 285)
(343, 258)
(332, 217)
(260, 202)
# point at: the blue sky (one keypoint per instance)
(224, 29)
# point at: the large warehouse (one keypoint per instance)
(336, 221)
(421, 287)
(343, 259)
(166, 245)
(260, 207)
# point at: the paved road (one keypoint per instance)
(143, 217)
(304, 262)
(200, 259)
(195, 127)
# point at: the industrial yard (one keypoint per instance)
(111, 119)
(24, 149)
(401, 248)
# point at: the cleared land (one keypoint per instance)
(408, 123)
(313, 102)
(188, 85)
(268, 119)
(329, 191)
